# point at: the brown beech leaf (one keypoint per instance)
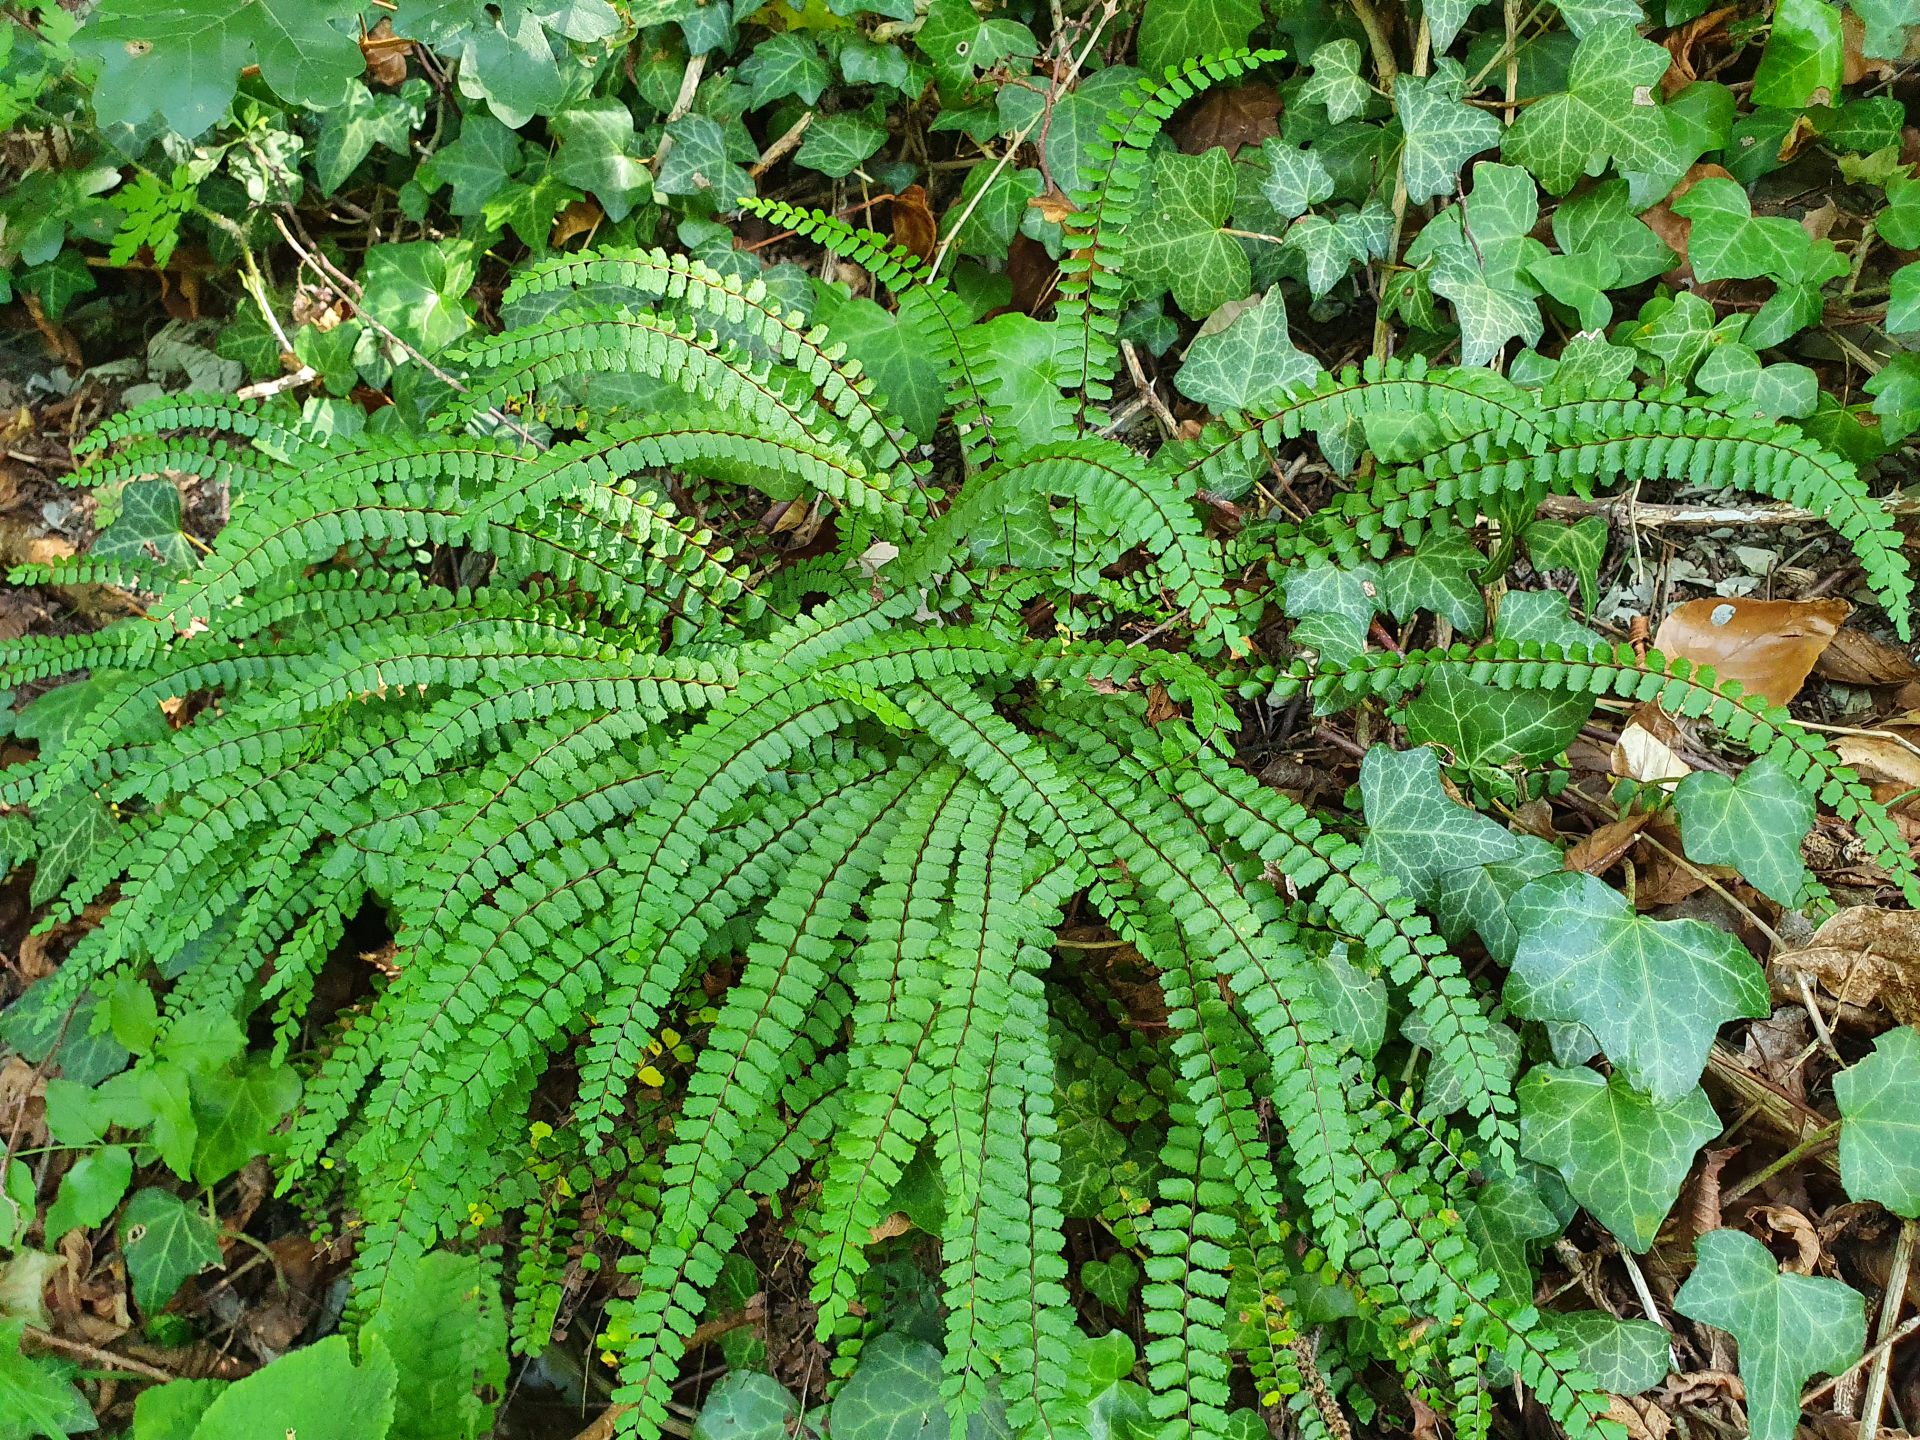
(1862, 955)
(1599, 852)
(895, 1224)
(1856, 658)
(578, 217)
(1881, 758)
(1854, 65)
(385, 53)
(1244, 115)
(1769, 646)
(1648, 748)
(914, 228)
(1681, 44)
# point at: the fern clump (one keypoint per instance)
(492, 681)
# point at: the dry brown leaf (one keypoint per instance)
(1681, 44)
(59, 339)
(1769, 646)
(577, 217)
(914, 228)
(1863, 955)
(1856, 658)
(895, 1224)
(1785, 1220)
(1882, 757)
(1244, 115)
(1660, 879)
(1648, 749)
(385, 54)
(1854, 65)
(1599, 852)
(1640, 1417)
(1704, 1213)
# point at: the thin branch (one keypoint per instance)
(1889, 1313)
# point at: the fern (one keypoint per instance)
(584, 759)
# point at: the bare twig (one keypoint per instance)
(1890, 1304)
(92, 1354)
(1819, 1391)
(780, 148)
(1147, 392)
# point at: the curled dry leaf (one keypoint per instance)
(385, 54)
(576, 218)
(1787, 1221)
(1863, 955)
(914, 228)
(1599, 852)
(1648, 749)
(1882, 757)
(1769, 646)
(1856, 658)
(1683, 42)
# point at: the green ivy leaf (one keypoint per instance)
(746, 1406)
(236, 1113)
(90, 1190)
(1328, 249)
(1903, 300)
(1728, 241)
(893, 1394)
(901, 369)
(418, 291)
(181, 59)
(1244, 355)
(1505, 1218)
(279, 1398)
(597, 155)
(1623, 1155)
(1337, 82)
(348, 132)
(1754, 822)
(1438, 577)
(165, 1240)
(1175, 30)
(1355, 1000)
(700, 163)
(1415, 832)
(1653, 992)
(1879, 1100)
(1607, 113)
(1177, 244)
(1578, 547)
(1442, 131)
(148, 528)
(1296, 180)
(1112, 1282)
(788, 63)
(1478, 253)
(959, 44)
(994, 199)
(171, 1411)
(1625, 1356)
(476, 164)
(837, 145)
(1896, 396)
(36, 1397)
(1789, 1327)
(1734, 376)
(1803, 58)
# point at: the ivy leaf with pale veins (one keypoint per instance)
(1442, 131)
(1879, 1100)
(1754, 823)
(788, 63)
(1789, 1327)
(1479, 253)
(1336, 81)
(1438, 577)
(1245, 358)
(477, 164)
(746, 1406)
(1175, 30)
(349, 131)
(1416, 832)
(1607, 113)
(36, 1396)
(1178, 242)
(1578, 547)
(1625, 1356)
(1505, 1217)
(1804, 58)
(836, 145)
(1297, 179)
(181, 59)
(1727, 241)
(597, 146)
(165, 1240)
(1623, 1155)
(1653, 992)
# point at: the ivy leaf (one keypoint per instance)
(476, 164)
(1879, 1099)
(280, 1398)
(1355, 1000)
(1336, 81)
(1297, 180)
(147, 530)
(237, 1112)
(1606, 113)
(1886, 23)
(1754, 823)
(959, 44)
(1584, 16)
(90, 1190)
(1479, 252)
(36, 1397)
(1178, 245)
(348, 132)
(1600, 221)
(1653, 992)
(1415, 832)
(1896, 396)
(1804, 56)
(1112, 1282)
(1175, 30)
(888, 351)
(596, 155)
(1578, 547)
(165, 1240)
(181, 59)
(1328, 249)
(1728, 241)
(1625, 1356)
(1444, 19)
(1903, 300)
(1073, 135)
(1243, 355)
(994, 199)
(418, 291)
(746, 1406)
(893, 1393)
(1334, 607)
(441, 1322)
(1438, 577)
(1734, 376)
(1788, 1327)
(1505, 1218)
(837, 145)
(788, 63)
(699, 162)
(1623, 1155)
(1442, 131)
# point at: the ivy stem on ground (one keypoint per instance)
(1422, 55)
(1890, 1304)
(1799, 1152)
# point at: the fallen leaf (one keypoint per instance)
(1854, 65)
(1769, 646)
(1642, 1419)
(579, 217)
(1863, 955)
(1601, 851)
(1856, 658)
(1681, 44)
(914, 229)
(1880, 756)
(1785, 1220)
(385, 54)
(1647, 750)
(1244, 115)
(895, 1224)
